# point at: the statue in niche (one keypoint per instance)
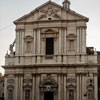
(11, 47)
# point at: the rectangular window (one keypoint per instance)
(71, 45)
(10, 95)
(49, 46)
(28, 48)
(90, 94)
(27, 95)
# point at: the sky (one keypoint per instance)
(10, 10)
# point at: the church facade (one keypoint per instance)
(49, 59)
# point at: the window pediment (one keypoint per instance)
(10, 87)
(50, 31)
(28, 38)
(71, 36)
(48, 81)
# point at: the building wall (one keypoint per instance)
(1, 86)
(69, 73)
(59, 79)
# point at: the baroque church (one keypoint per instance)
(49, 59)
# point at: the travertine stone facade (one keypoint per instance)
(50, 60)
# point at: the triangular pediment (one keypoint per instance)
(50, 11)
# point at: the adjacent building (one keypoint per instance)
(1, 87)
(49, 59)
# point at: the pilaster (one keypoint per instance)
(78, 44)
(65, 92)
(33, 87)
(78, 88)
(83, 40)
(37, 87)
(38, 46)
(59, 87)
(17, 42)
(16, 87)
(34, 46)
(95, 87)
(65, 46)
(5, 88)
(60, 45)
(21, 88)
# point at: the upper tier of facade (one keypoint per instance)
(50, 34)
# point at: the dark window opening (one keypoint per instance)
(49, 46)
(27, 95)
(2, 94)
(3, 84)
(71, 94)
(48, 96)
(49, 18)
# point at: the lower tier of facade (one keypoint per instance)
(51, 82)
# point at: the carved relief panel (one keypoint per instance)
(49, 13)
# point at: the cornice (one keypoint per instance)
(44, 21)
(52, 66)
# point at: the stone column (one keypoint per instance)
(59, 87)
(83, 40)
(33, 87)
(20, 42)
(80, 86)
(21, 87)
(5, 89)
(95, 87)
(78, 44)
(34, 47)
(38, 45)
(83, 86)
(65, 46)
(80, 38)
(17, 42)
(37, 87)
(65, 41)
(77, 88)
(16, 87)
(65, 92)
(60, 49)
(23, 35)
(34, 42)
(60, 45)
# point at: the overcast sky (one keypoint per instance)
(11, 10)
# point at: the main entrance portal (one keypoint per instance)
(48, 95)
